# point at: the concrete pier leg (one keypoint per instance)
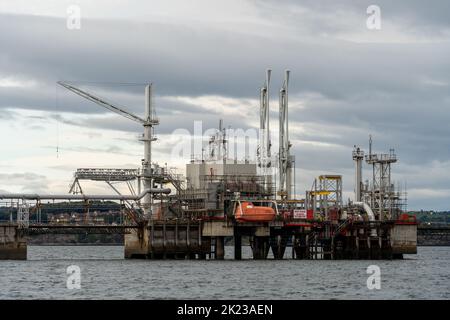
(356, 252)
(397, 256)
(260, 247)
(13, 244)
(190, 256)
(293, 246)
(301, 247)
(137, 244)
(281, 246)
(278, 244)
(220, 248)
(386, 249)
(326, 249)
(237, 246)
(375, 248)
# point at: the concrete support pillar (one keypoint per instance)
(201, 256)
(137, 243)
(300, 247)
(293, 247)
(260, 247)
(220, 248)
(278, 244)
(13, 244)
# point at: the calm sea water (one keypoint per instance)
(106, 275)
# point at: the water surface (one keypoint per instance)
(106, 275)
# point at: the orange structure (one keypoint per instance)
(247, 211)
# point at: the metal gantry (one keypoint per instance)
(326, 193)
(382, 192)
(108, 175)
(330, 192)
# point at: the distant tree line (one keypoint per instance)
(64, 207)
(433, 217)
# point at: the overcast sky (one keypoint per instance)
(207, 60)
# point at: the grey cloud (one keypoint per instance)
(418, 15)
(28, 176)
(29, 181)
(113, 149)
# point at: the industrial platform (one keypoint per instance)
(223, 197)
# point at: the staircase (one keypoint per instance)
(341, 227)
(176, 180)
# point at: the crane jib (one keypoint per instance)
(102, 103)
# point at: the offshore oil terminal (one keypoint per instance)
(220, 198)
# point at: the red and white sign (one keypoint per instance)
(300, 214)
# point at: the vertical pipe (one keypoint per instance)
(285, 161)
(287, 143)
(267, 98)
(235, 149)
(188, 235)
(358, 156)
(219, 141)
(358, 176)
(281, 149)
(264, 129)
(315, 198)
(164, 236)
(286, 88)
(152, 239)
(295, 182)
(246, 149)
(268, 155)
(146, 165)
(381, 191)
(176, 235)
(293, 246)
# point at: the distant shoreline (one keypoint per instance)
(121, 245)
(75, 245)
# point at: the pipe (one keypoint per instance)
(36, 196)
(369, 212)
(148, 138)
(267, 86)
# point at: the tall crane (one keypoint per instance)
(285, 159)
(148, 122)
